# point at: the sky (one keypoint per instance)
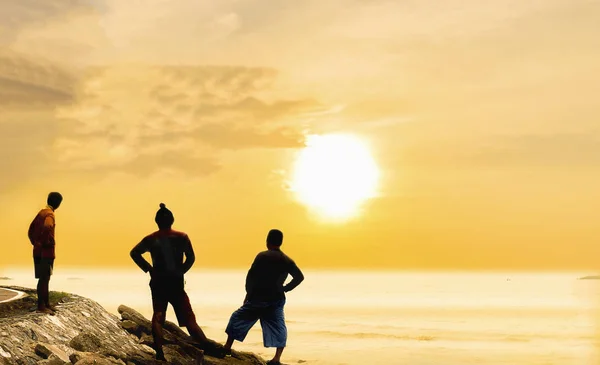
(482, 117)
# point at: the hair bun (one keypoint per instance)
(162, 205)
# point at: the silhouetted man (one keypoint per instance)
(167, 248)
(265, 297)
(41, 236)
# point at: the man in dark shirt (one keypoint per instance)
(167, 248)
(265, 297)
(41, 236)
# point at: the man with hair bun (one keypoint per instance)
(167, 248)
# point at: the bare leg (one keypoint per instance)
(196, 332)
(43, 295)
(158, 320)
(211, 347)
(277, 357)
(47, 298)
(41, 302)
(229, 343)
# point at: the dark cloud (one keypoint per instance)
(14, 92)
(30, 90)
(28, 82)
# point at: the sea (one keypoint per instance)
(388, 318)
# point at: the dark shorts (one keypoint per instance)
(165, 291)
(43, 267)
(272, 321)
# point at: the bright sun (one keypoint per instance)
(334, 174)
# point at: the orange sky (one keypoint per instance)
(481, 116)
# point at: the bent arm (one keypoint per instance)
(136, 254)
(47, 239)
(30, 232)
(190, 257)
(297, 278)
(250, 277)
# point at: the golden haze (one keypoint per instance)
(482, 117)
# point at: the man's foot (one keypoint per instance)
(221, 352)
(273, 362)
(160, 355)
(45, 311)
(52, 308)
(214, 349)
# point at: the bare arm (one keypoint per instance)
(190, 257)
(136, 254)
(297, 277)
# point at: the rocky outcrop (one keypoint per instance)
(82, 332)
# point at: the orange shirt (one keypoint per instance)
(41, 233)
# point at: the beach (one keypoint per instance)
(353, 317)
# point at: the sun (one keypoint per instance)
(334, 174)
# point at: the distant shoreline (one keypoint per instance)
(590, 277)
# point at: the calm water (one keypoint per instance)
(387, 318)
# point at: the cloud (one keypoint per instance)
(28, 82)
(133, 117)
(122, 84)
(30, 90)
(21, 13)
(140, 117)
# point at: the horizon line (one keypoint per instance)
(124, 268)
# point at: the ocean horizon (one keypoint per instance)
(386, 317)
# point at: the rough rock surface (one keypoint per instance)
(82, 332)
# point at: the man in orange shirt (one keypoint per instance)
(41, 236)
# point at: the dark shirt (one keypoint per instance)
(167, 248)
(267, 275)
(41, 234)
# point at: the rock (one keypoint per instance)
(147, 340)
(55, 360)
(131, 327)
(172, 334)
(131, 314)
(76, 356)
(85, 333)
(96, 359)
(86, 342)
(177, 354)
(52, 353)
(136, 360)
